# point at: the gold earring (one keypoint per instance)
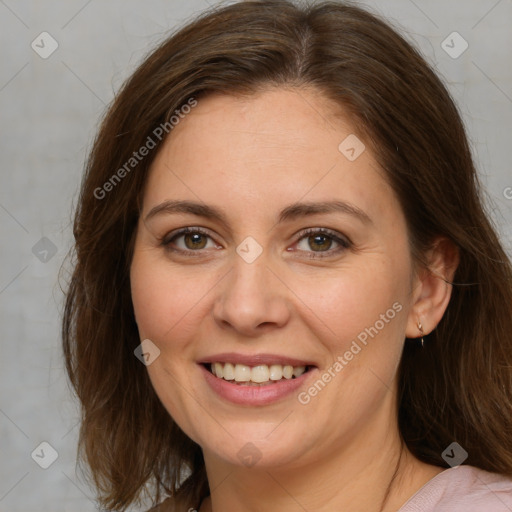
(420, 327)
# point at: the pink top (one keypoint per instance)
(458, 489)
(463, 489)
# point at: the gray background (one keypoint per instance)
(49, 111)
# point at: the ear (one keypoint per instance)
(432, 287)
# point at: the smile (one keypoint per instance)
(246, 392)
(256, 375)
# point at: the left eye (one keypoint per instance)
(322, 239)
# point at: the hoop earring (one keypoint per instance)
(420, 327)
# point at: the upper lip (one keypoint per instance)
(255, 359)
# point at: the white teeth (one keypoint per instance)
(260, 373)
(288, 372)
(276, 372)
(242, 373)
(298, 370)
(228, 372)
(218, 370)
(257, 374)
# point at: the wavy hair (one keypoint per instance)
(458, 388)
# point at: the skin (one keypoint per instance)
(251, 157)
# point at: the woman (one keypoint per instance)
(287, 294)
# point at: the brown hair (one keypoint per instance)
(458, 388)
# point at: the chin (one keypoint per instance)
(252, 451)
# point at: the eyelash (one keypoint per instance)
(343, 242)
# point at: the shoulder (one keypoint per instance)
(463, 489)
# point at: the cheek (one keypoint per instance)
(348, 301)
(150, 300)
(161, 296)
(360, 318)
(164, 301)
(173, 309)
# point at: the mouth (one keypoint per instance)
(258, 375)
(256, 379)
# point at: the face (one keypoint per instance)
(268, 284)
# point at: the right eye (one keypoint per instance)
(194, 240)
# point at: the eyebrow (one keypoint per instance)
(290, 212)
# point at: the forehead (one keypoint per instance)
(272, 148)
(274, 123)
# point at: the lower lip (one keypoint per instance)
(254, 395)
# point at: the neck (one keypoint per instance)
(372, 471)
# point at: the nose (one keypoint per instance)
(252, 299)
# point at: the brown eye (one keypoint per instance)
(187, 241)
(194, 240)
(321, 241)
